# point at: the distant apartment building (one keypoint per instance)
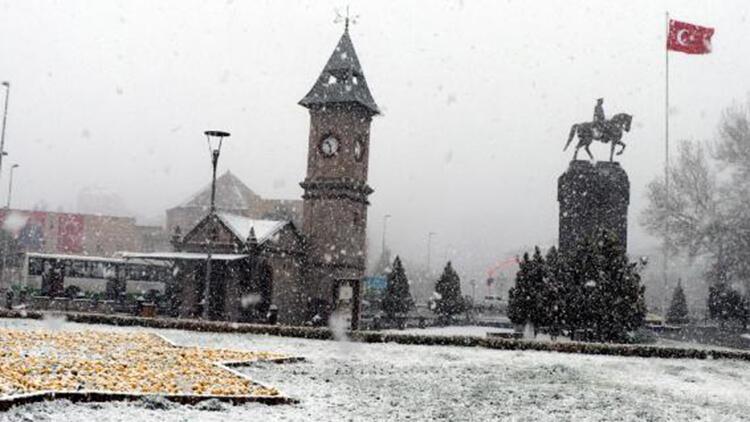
(79, 234)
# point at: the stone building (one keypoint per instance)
(307, 273)
(335, 187)
(232, 196)
(254, 264)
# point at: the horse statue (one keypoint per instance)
(607, 131)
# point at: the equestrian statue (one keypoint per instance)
(601, 129)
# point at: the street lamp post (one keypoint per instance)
(214, 138)
(429, 249)
(6, 84)
(10, 185)
(385, 226)
(6, 241)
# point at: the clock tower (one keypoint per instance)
(335, 188)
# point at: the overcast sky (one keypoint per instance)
(477, 98)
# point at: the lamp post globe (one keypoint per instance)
(214, 139)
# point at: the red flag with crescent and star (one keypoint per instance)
(688, 38)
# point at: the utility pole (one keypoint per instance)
(6, 241)
(429, 249)
(10, 185)
(385, 226)
(6, 84)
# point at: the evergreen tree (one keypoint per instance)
(520, 296)
(554, 288)
(678, 310)
(448, 288)
(397, 300)
(579, 270)
(726, 304)
(595, 291)
(526, 300)
(604, 293)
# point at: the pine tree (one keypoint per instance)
(678, 310)
(526, 300)
(604, 295)
(539, 311)
(397, 300)
(578, 268)
(554, 288)
(448, 289)
(519, 296)
(726, 304)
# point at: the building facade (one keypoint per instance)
(260, 258)
(232, 196)
(80, 234)
(254, 264)
(336, 192)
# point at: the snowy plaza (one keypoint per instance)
(339, 380)
(453, 210)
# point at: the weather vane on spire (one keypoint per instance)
(345, 18)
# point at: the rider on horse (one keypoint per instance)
(601, 129)
(599, 119)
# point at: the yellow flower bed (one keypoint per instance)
(141, 363)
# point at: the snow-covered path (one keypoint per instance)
(354, 381)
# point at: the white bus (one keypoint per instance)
(91, 273)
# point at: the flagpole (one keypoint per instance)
(666, 168)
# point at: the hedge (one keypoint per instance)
(631, 350)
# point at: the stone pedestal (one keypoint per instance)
(592, 196)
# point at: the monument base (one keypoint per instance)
(592, 196)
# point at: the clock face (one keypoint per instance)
(359, 150)
(329, 146)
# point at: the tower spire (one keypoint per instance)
(346, 22)
(345, 18)
(342, 80)
(252, 240)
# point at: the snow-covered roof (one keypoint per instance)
(180, 255)
(73, 257)
(241, 225)
(231, 194)
(117, 259)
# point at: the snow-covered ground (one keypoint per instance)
(469, 330)
(362, 382)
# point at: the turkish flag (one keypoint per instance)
(689, 38)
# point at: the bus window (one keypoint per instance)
(36, 266)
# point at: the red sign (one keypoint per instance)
(70, 233)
